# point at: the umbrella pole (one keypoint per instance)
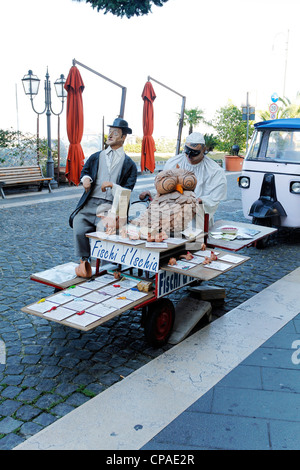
(180, 126)
(181, 114)
(124, 89)
(123, 99)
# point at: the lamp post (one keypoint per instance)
(248, 114)
(31, 85)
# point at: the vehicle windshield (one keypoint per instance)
(283, 146)
(254, 146)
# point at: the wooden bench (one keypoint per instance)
(26, 175)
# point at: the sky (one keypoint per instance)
(209, 52)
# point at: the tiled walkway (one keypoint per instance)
(232, 385)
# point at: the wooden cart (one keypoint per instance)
(85, 304)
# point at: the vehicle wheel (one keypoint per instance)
(266, 222)
(159, 322)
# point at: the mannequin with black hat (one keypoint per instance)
(102, 173)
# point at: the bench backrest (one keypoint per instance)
(20, 173)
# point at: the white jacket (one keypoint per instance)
(211, 180)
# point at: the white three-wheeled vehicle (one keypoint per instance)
(270, 179)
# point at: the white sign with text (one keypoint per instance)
(121, 254)
(169, 281)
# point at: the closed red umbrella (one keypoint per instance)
(75, 161)
(148, 144)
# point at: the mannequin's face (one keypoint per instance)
(194, 159)
(115, 138)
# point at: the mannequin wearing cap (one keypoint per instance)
(102, 173)
(211, 180)
(211, 185)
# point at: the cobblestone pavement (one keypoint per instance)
(51, 369)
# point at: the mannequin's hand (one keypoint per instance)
(144, 194)
(106, 185)
(86, 184)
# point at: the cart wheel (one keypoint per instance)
(159, 322)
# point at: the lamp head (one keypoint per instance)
(31, 84)
(60, 87)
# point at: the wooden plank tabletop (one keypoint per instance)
(237, 244)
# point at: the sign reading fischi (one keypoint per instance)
(122, 254)
(169, 281)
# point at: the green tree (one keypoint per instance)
(230, 127)
(18, 149)
(192, 117)
(211, 141)
(8, 137)
(127, 8)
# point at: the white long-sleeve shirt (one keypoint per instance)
(113, 159)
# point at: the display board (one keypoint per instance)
(61, 276)
(85, 306)
(235, 236)
(205, 272)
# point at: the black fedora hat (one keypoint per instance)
(121, 124)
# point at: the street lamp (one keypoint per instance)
(31, 87)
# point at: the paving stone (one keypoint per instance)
(271, 357)
(110, 378)
(66, 389)
(12, 379)
(31, 359)
(14, 369)
(76, 399)
(62, 409)
(10, 441)
(285, 380)
(50, 371)
(32, 349)
(9, 407)
(30, 382)
(257, 403)
(243, 377)
(83, 379)
(28, 395)
(215, 431)
(11, 392)
(8, 425)
(68, 362)
(95, 388)
(45, 385)
(29, 429)
(44, 419)
(284, 435)
(203, 405)
(47, 400)
(27, 412)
